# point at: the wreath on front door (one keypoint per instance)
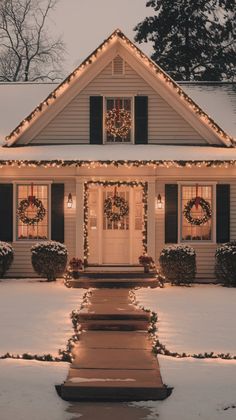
(115, 208)
(205, 205)
(118, 122)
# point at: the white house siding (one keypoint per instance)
(72, 124)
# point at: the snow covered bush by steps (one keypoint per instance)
(6, 257)
(225, 264)
(49, 259)
(178, 263)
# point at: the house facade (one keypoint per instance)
(118, 160)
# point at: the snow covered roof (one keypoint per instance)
(17, 100)
(218, 100)
(79, 154)
(117, 37)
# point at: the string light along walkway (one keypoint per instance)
(113, 360)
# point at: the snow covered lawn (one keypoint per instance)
(35, 316)
(27, 390)
(194, 319)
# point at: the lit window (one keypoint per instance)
(191, 232)
(120, 121)
(37, 230)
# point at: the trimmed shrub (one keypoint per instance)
(6, 257)
(49, 259)
(225, 264)
(178, 263)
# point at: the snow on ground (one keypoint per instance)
(27, 390)
(194, 319)
(35, 316)
(203, 390)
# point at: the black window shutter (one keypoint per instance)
(171, 213)
(222, 213)
(141, 120)
(57, 212)
(96, 119)
(6, 212)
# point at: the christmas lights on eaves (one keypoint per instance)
(150, 64)
(58, 163)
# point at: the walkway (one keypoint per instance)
(113, 359)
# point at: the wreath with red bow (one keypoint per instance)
(205, 205)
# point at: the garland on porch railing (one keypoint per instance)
(132, 184)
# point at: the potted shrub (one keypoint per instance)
(178, 263)
(6, 257)
(75, 266)
(225, 264)
(49, 259)
(147, 262)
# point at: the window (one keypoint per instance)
(119, 104)
(40, 229)
(192, 232)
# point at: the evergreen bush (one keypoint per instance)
(178, 264)
(6, 257)
(225, 264)
(49, 259)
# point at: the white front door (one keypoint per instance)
(115, 242)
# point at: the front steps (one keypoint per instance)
(110, 279)
(113, 360)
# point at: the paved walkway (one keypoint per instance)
(113, 359)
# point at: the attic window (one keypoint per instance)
(118, 66)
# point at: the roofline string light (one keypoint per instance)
(119, 163)
(148, 62)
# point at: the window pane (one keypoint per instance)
(192, 232)
(38, 230)
(118, 103)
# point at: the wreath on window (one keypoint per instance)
(115, 208)
(118, 122)
(24, 205)
(205, 205)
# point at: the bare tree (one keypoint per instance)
(27, 50)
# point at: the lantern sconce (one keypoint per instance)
(159, 203)
(69, 201)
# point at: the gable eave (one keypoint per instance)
(175, 90)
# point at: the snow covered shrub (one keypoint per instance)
(49, 259)
(6, 257)
(178, 263)
(225, 263)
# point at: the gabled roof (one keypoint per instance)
(170, 85)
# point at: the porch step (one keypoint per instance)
(117, 274)
(98, 280)
(120, 315)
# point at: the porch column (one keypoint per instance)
(151, 219)
(79, 224)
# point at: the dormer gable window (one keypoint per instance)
(118, 120)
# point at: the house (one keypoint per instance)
(109, 163)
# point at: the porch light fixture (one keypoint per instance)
(159, 202)
(69, 201)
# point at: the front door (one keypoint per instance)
(115, 242)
